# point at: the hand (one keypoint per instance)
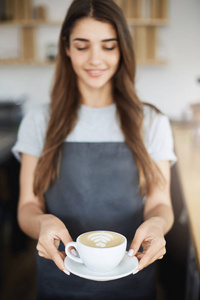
(52, 231)
(150, 235)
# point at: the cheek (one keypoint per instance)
(77, 61)
(114, 61)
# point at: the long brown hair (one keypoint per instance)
(65, 98)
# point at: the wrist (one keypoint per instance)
(163, 215)
(45, 218)
(159, 222)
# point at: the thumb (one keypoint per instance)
(64, 236)
(137, 242)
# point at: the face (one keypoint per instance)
(94, 53)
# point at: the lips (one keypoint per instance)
(95, 73)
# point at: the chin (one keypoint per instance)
(98, 85)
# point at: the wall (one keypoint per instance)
(171, 87)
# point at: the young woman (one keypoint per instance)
(95, 158)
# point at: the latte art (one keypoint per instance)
(101, 239)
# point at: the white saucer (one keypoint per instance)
(127, 266)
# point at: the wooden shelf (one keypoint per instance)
(45, 63)
(31, 23)
(145, 17)
(152, 62)
(22, 62)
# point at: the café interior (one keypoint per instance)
(167, 47)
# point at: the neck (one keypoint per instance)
(97, 97)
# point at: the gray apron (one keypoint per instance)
(98, 189)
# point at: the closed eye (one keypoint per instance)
(107, 48)
(81, 48)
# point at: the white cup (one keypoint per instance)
(103, 256)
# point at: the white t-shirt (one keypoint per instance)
(97, 125)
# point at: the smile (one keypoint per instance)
(95, 73)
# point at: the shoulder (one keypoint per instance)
(157, 134)
(36, 120)
(32, 132)
(153, 119)
(39, 114)
(151, 114)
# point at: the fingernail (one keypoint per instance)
(66, 272)
(73, 252)
(135, 272)
(130, 252)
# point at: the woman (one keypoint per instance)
(96, 158)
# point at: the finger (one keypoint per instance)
(63, 254)
(140, 255)
(139, 237)
(41, 249)
(159, 250)
(50, 251)
(148, 258)
(58, 259)
(45, 255)
(159, 255)
(64, 236)
(144, 261)
(56, 243)
(42, 252)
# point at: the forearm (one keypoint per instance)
(30, 217)
(163, 214)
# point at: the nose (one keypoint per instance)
(95, 58)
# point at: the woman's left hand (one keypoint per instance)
(151, 236)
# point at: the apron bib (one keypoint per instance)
(98, 189)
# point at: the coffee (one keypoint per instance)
(101, 239)
(100, 251)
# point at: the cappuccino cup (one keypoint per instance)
(100, 251)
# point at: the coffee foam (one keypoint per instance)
(101, 239)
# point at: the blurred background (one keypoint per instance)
(167, 45)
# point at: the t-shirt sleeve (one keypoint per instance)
(160, 143)
(31, 134)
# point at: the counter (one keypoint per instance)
(188, 153)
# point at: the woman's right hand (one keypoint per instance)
(52, 231)
(46, 228)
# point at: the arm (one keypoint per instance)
(158, 220)
(30, 209)
(34, 221)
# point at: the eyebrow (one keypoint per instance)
(85, 40)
